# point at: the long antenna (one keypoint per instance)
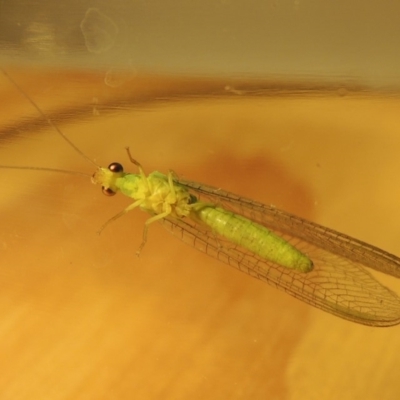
(62, 171)
(49, 121)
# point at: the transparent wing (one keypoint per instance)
(279, 220)
(339, 283)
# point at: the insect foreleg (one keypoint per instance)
(120, 214)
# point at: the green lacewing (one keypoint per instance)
(320, 266)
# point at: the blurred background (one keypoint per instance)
(292, 103)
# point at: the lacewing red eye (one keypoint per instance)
(116, 167)
(108, 191)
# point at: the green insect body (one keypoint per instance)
(252, 236)
(158, 194)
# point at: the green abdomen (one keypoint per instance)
(251, 236)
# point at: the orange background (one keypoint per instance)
(82, 318)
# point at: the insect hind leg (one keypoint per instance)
(120, 214)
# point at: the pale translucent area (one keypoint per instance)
(99, 31)
(80, 314)
(334, 40)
